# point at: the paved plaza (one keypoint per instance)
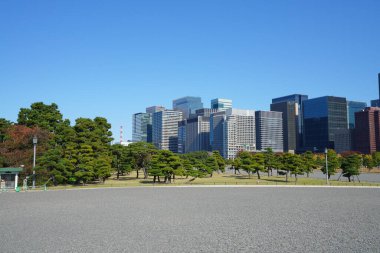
(193, 219)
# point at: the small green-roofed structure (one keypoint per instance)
(9, 177)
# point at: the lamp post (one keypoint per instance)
(34, 160)
(327, 168)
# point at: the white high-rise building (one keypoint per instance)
(239, 132)
(165, 129)
(269, 132)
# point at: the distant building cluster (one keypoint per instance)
(294, 123)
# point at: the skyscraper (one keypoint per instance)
(187, 105)
(194, 134)
(296, 98)
(155, 108)
(216, 131)
(205, 112)
(239, 132)
(352, 108)
(290, 125)
(165, 129)
(269, 131)
(367, 130)
(221, 104)
(141, 127)
(324, 118)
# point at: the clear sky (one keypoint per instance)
(114, 58)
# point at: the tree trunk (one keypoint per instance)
(249, 174)
(211, 174)
(295, 175)
(137, 173)
(349, 179)
(286, 176)
(159, 180)
(268, 172)
(145, 173)
(154, 179)
(258, 174)
(307, 174)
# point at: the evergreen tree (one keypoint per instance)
(333, 163)
(351, 166)
(309, 162)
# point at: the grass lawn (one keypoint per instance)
(217, 179)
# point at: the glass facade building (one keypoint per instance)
(142, 127)
(299, 99)
(290, 116)
(353, 107)
(221, 104)
(187, 105)
(325, 118)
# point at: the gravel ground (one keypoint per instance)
(368, 177)
(191, 220)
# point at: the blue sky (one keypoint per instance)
(114, 58)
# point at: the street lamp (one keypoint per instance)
(327, 168)
(34, 160)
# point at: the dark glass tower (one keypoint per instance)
(325, 124)
(353, 107)
(298, 99)
(289, 123)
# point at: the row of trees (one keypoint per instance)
(294, 164)
(83, 153)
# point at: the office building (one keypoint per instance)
(239, 132)
(187, 105)
(194, 134)
(375, 103)
(205, 112)
(367, 130)
(165, 129)
(155, 108)
(299, 99)
(221, 104)
(290, 116)
(269, 133)
(216, 131)
(141, 127)
(352, 108)
(181, 136)
(324, 119)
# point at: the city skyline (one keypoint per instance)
(114, 59)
